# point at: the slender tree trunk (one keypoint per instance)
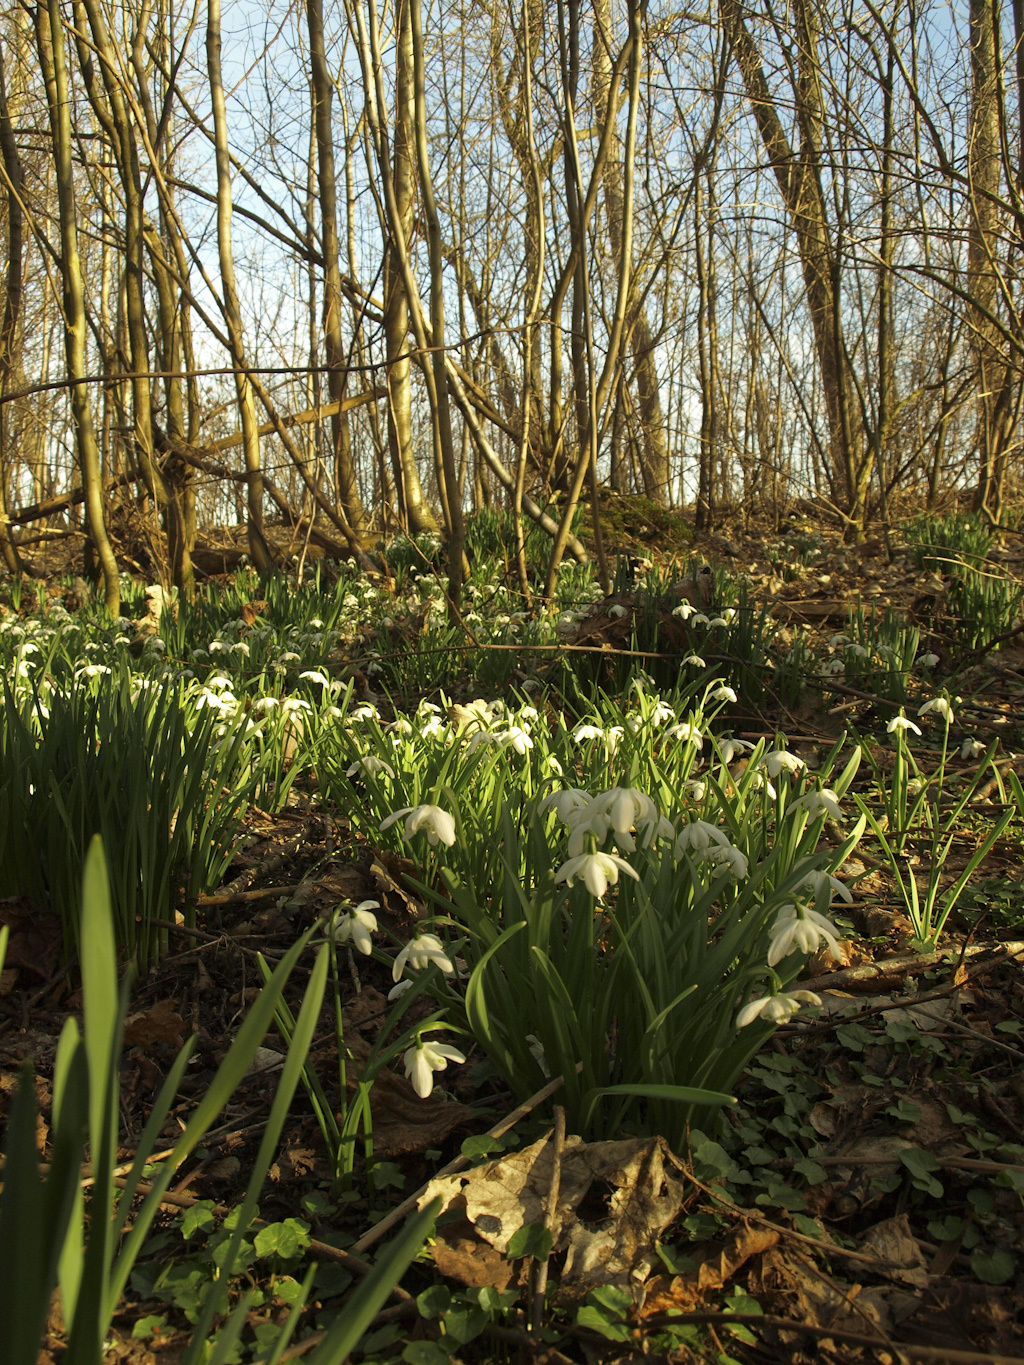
(414, 509)
(258, 548)
(799, 177)
(323, 94)
(50, 42)
(438, 380)
(10, 329)
(984, 165)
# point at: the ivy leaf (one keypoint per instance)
(996, 1268)
(532, 1239)
(285, 1239)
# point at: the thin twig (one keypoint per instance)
(550, 1218)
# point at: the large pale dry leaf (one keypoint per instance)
(614, 1201)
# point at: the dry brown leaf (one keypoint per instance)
(251, 610)
(161, 1023)
(385, 870)
(460, 1255)
(683, 1291)
(893, 1241)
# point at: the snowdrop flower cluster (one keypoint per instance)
(616, 812)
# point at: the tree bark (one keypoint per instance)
(50, 43)
(258, 549)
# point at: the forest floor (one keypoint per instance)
(864, 1203)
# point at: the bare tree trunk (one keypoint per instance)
(994, 415)
(50, 43)
(323, 95)
(258, 548)
(437, 380)
(401, 171)
(10, 331)
(799, 177)
(654, 453)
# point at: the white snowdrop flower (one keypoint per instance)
(722, 693)
(832, 668)
(700, 619)
(265, 704)
(972, 748)
(421, 952)
(400, 989)
(315, 675)
(823, 802)
(940, 706)
(684, 611)
(433, 729)
(799, 927)
(780, 760)
(291, 706)
(515, 738)
(729, 615)
(567, 803)
(92, 671)
(369, 767)
(900, 724)
(584, 732)
(777, 1009)
(335, 712)
(565, 626)
(355, 926)
(686, 733)
(693, 661)
(437, 824)
(401, 726)
(423, 1060)
(717, 621)
(731, 749)
(760, 781)
(240, 647)
(364, 711)
(730, 859)
(612, 736)
(698, 838)
(916, 785)
(818, 883)
(551, 766)
(290, 657)
(927, 660)
(118, 640)
(528, 713)
(616, 611)
(219, 646)
(662, 712)
(597, 870)
(219, 680)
